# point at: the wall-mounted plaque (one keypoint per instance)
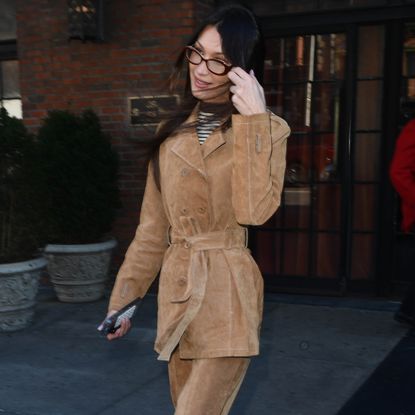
(149, 110)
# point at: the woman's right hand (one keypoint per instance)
(122, 330)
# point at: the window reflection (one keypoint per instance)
(13, 107)
(369, 105)
(371, 41)
(304, 80)
(10, 79)
(366, 148)
(7, 20)
(367, 156)
(408, 64)
(331, 56)
(9, 88)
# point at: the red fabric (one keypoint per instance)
(402, 173)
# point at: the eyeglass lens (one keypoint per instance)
(214, 66)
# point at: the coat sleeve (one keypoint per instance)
(402, 169)
(144, 256)
(260, 143)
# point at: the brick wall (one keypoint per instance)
(142, 41)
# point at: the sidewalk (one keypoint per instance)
(316, 353)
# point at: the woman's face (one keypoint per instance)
(205, 85)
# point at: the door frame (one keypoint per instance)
(348, 22)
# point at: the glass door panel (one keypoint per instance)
(370, 61)
(362, 256)
(369, 105)
(304, 77)
(328, 255)
(325, 231)
(367, 156)
(364, 207)
(365, 152)
(296, 253)
(327, 207)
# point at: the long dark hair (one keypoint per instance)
(242, 44)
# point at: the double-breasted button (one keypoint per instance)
(184, 211)
(201, 210)
(187, 245)
(184, 172)
(182, 281)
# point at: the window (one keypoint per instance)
(9, 87)
(10, 97)
(7, 20)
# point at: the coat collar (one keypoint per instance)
(215, 140)
(187, 145)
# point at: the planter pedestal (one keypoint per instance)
(79, 272)
(19, 283)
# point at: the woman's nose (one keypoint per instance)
(202, 69)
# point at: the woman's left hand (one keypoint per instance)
(247, 93)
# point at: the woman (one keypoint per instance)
(220, 165)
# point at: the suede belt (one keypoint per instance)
(197, 273)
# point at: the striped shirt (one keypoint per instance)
(206, 123)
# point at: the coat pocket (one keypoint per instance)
(175, 286)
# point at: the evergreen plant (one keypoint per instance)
(77, 189)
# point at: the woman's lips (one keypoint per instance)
(201, 84)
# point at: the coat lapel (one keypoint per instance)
(214, 141)
(187, 147)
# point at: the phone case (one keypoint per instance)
(112, 323)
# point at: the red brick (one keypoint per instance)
(136, 59)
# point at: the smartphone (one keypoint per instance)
(112, 323)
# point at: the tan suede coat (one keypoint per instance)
(211, 291)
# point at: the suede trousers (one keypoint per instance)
(205, 386)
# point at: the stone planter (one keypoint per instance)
(19, 283)
(79, 272)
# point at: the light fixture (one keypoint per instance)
(85, 20)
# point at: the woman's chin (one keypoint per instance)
(208, 96)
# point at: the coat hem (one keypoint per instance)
(209, 354)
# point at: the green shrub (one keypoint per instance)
(18, 240)
(76, 188)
